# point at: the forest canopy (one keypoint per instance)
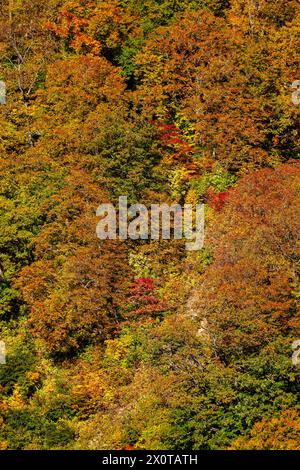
(140, 344)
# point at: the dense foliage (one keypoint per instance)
(141, 344)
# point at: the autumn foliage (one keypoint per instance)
(140, 344)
